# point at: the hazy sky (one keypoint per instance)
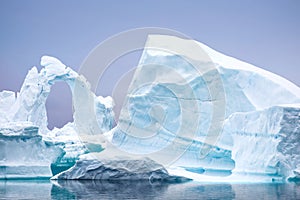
(263, 33)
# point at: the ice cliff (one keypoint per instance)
(198, 113)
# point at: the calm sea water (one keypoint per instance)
(44, 189)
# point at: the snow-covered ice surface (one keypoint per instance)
(193, 112)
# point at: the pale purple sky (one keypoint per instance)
(264, 33)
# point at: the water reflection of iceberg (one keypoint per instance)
(44, 189)
(141, 190)
(191, 190)
(111, 189)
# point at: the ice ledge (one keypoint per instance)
(119, 168)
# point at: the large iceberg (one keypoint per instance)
(189, 109)
(169, 113)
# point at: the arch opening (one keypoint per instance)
(59, 105)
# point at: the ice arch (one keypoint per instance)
(30, 103)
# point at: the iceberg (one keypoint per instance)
(168, 114)
(190, 111)
(28, 148)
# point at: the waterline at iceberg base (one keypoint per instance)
(257, 139)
